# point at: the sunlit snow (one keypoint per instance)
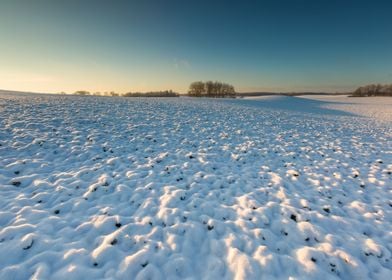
(176, 188)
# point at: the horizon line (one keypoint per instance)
(238, 92)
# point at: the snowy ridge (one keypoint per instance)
(103, 188)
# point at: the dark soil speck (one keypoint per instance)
(114, 242)
(293, 217)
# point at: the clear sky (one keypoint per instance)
(293, 45)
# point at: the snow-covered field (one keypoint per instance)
(373, 107)
(184, 188)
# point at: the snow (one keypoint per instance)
(182, 188)
(372, 107)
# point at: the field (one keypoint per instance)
(182, 188)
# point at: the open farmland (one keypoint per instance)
(133, 188)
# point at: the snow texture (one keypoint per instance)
(182, 188)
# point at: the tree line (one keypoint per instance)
(97, 93)
(164, 93)
(196, 89)
(374, 90)
(211, 89)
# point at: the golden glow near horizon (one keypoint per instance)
(56, 78)
(70, 79)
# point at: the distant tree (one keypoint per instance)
(228, 90)
(210, 89)
(82, 92)
(112, 93)
(197, 89)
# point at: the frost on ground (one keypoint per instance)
(180, 188)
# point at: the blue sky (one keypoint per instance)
(297, 45)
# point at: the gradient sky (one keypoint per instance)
(293, 45)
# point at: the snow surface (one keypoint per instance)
(374, 107)
(182, 188)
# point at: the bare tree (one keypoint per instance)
(210, 88)
(197, 89)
